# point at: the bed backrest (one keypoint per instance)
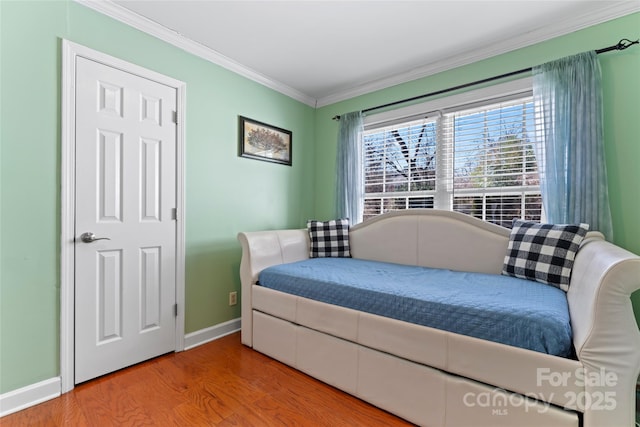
(431, 238)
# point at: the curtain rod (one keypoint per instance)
(621, 45)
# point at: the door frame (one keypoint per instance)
(70, 52)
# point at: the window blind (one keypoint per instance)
(400, 167)
(478, 159)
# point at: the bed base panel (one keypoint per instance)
(417, 393)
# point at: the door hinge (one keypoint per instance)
(175, 310)
(175, 117)
(174, 214)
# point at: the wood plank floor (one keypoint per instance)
(222, 383)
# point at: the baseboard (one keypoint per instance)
(22, 398)
(206, 335)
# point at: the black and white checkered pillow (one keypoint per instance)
(543, 252)
(329, 238)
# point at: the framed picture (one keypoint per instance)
(261, 141)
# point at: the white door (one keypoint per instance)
(125, 232)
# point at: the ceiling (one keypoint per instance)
(325, 51)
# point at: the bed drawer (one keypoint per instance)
(409, 390)
(327, 358)
(274, 337)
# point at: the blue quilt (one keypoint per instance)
(502, 309)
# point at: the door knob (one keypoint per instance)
(89, 237)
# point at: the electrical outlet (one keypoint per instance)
(233, 298)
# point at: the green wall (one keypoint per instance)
(621, 80)
(225, 194)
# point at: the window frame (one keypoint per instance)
(503, 92)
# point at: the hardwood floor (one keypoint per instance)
(222, 383)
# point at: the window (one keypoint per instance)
(478, 158)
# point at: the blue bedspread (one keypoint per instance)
(503, 309)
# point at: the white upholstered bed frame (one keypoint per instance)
(432, 377)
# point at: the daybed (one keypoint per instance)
(435, 377)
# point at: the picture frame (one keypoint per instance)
(261, 141)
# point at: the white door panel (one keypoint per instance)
(125, 192)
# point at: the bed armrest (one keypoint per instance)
(605, 333)
(262, 249)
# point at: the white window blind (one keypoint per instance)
(399, 167)
(478, 159)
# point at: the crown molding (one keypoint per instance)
(126, 16)
(120, 13)
(542, 34)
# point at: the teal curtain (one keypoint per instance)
(349, 181)
(568, 99)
